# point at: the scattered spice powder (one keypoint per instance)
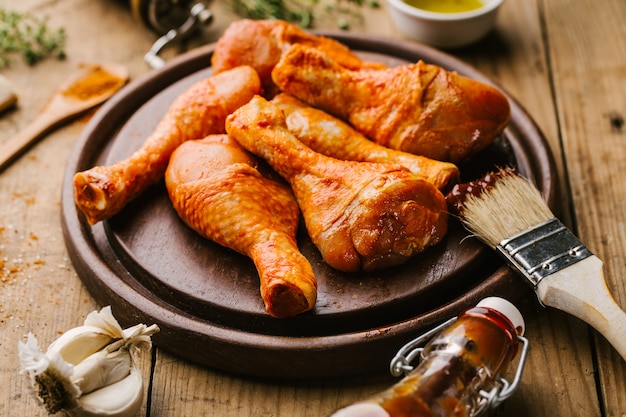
(97, 82)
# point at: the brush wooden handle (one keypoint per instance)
(581, 291)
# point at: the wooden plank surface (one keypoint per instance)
(39, 290)
(588, 55)
(569, 77)
(559, 366)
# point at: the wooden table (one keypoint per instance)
(563, 60)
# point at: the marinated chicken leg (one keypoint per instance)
(416, 108)
(218, 192)
(261, 43)
(360, 215)
(330, 136)
(103, 191)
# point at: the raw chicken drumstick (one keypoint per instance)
(331, 136)
(416, 108)
(261, 43)
(103, 191)
(360, 215)
(216, 189)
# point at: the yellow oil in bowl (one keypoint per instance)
(446, 6)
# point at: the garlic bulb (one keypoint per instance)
(90, 370)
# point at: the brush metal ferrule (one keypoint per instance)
(543, 250)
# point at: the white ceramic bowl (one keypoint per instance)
(444, 30)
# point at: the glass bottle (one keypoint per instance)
(460, 367)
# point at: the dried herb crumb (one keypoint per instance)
(304, 13)
(29, 36)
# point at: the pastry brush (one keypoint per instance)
(508, 213)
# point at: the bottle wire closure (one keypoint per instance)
(409, 356)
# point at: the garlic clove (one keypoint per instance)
(105, 320)
(100, 328)
(101, 369)
(90, 370)
(120, 399)
(78, 343)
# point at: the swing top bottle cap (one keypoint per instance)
(455, 363)
(506, 308)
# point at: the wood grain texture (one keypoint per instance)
(39, 290)
(179, 389)
(515, 55)
(588, 55)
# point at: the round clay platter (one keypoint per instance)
(151, 268)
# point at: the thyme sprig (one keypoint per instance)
(303, 12)
(30, 36)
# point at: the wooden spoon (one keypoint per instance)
(91, 85)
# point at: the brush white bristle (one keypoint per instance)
(511, 206)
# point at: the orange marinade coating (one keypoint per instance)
(360, 215)
(417, 108)
(261, 43)
(216, 189)
(102, 191)
(332, 137)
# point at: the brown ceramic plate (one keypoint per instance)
(151, 268)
